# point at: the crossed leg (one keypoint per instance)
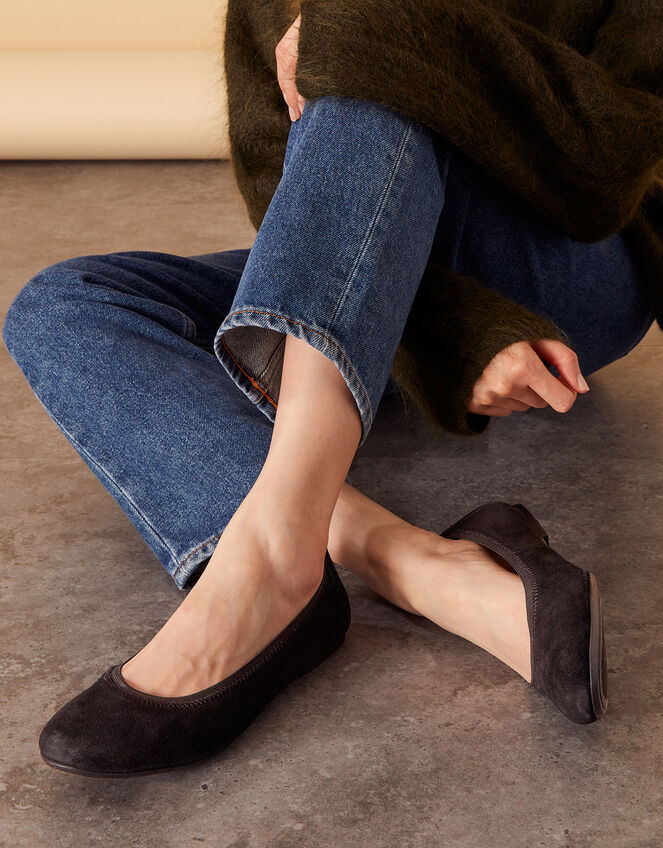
(119, 349)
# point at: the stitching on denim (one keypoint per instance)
(327, 338)
(371, 227)
(270, 359)
(248, 376)
(105, 473)
(191, 553)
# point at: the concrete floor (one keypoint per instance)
(407, 735)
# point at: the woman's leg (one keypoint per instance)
(340, 252)
(461, 586)
(592, 291)
(310, 338)
(118, 349)
(391, 568)
(268, 562)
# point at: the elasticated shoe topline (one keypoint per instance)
(114, 730)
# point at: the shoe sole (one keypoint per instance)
(597, 681)
(123, 775)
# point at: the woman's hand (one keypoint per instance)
(517, 378)
(286, 52)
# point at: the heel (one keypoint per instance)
(533, 524)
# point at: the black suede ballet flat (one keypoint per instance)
(564, 610)
(114, 730)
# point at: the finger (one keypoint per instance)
(514, 404)
(481, 406)
(551, 389)
(564, 359)
(530, 398)
(509, 394)
(286, 63)
(496, 411)
(523, 401)
(286, 79)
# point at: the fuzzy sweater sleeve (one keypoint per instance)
(556, 128)
(455, 327)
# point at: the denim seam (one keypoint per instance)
(369, 232)
(190, 329)
(195, 550)
(93, 461)
(252, 380)
(330, 341)
(271, 357)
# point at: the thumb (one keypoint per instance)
(564, 359)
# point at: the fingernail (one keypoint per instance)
(302, 101)
(293, 116)
(582, 383)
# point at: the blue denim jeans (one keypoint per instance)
(163, 370)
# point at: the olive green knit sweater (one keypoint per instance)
(561, 101)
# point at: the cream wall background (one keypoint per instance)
(112, 79)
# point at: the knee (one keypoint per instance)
(37, 304)
(363, 115)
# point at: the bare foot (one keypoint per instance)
(259, 577)
(460, 585)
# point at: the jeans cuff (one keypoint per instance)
(250, 344)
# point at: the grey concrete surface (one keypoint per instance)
(408, 735)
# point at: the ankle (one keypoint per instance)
(264, 551)
(358, 531)
(286, 519)
(289, 578)
(308, 495)
(397, 555)
(489, 600)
